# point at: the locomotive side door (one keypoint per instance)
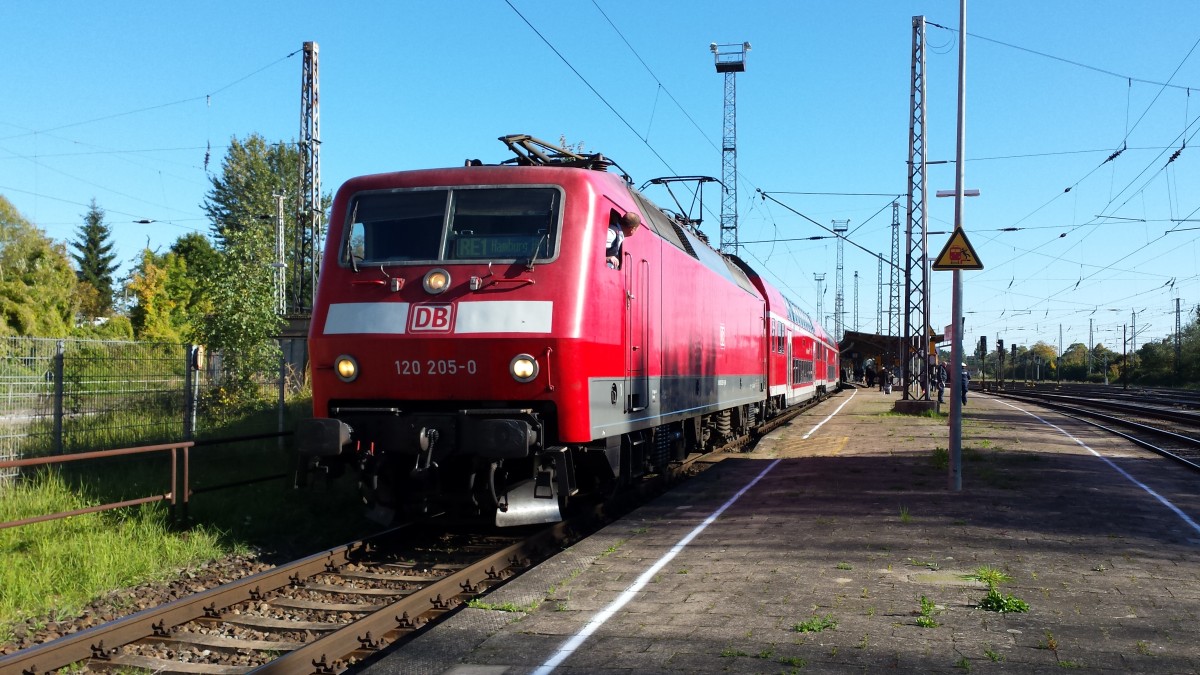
(637, 337)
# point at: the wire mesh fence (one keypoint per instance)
(66, 396)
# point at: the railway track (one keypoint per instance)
(1168, 430)
(321, 613)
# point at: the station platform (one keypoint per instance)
(812, 554)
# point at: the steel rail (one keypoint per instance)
(102, 640)
(1082, 414)
(329, 654)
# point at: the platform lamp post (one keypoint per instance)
(956, 350)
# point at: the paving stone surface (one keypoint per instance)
(822, 565)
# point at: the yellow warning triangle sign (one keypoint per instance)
(957, 254)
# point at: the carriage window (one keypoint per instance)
(453, 224)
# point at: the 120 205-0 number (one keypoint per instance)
(436, 367)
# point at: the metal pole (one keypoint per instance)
(189, 401)
(282, 392)
(956, 351)
(59, 358)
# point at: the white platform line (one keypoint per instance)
(1163, 500)
(613, 607)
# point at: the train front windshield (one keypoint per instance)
(453, 224)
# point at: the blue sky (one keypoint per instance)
(119, 101)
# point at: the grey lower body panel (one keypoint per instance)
(670, 399)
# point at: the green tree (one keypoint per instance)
(156, 313)
(244, 323)
(203, 260)
(96, 262)
(1048, 357)
(1075, 362)
(37, 284)
(241, 206)
(243, 197)
(171, 290)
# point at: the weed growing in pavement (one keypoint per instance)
(844, 566)
(923, 563)
(682, 571)
(995, 601)
(963, 663)
(1070, 664)
(940, 458)
(476, 603)
(560, 606)
(1049, 643)
(816, 624)
(864, 642)
(794, 661)
(729, 652)
(612, 549)
(994, 655)
(925, 619)
(870, 611)
(988, 575)
(904, 517)
(766, 653)
(864, 595)
(1143, 648)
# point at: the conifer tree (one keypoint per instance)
(96, 260)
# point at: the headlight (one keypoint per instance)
(523, 368)
(436, 281)
(346, 368)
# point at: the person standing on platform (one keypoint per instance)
(964, 381)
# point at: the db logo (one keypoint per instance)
(432, 318)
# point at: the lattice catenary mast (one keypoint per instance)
(840, 227)
(730, 59)
(854, 324)
(897, 281)
(819, 277)
(916, 269)
(308, 210)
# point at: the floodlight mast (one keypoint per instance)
(730, 59)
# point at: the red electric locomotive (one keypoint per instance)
(471, 346)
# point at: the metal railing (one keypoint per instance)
(175, 495)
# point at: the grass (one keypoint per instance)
(989, 575)
(940, 458)
(476, 603)
(42, 572)
(56, 568)
(816, 624)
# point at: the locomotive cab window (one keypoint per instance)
(491, 224)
